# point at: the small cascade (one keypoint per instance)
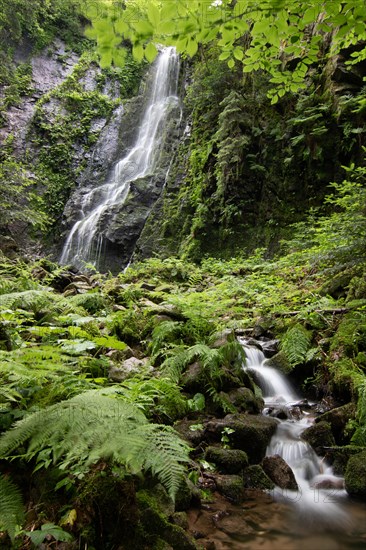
(274, 386)
(85, 240)
(318, 499)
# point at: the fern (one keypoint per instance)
(92, 426)
(164, 332)
(11, 507)
(295, 344)
(31, 300)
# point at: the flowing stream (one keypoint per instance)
(320, 510)
(85, 240)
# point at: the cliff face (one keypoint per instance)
(247, 169)
(235, 179)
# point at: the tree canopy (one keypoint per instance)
(284, 38)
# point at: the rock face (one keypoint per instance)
(279, 472)
(355, 476)
(338, 419)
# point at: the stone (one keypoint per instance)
(319, 436)
(256, 478)
(245, 400)
(355, 476)
(222, 338)
(193, 431)
(279, 472)
(231, 487)
(228, 461)
(129, 367)
(251, 433)
(338, 419)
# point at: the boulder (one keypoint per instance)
(338, 419)
(228, 461)
(355, 476)
(256, 478)
(279, 472)
(245, 400)
(128, 368)
(231, 487)
(319, 436)
(251, 433)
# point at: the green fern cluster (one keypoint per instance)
(77, 433)
(295, 344)
(359, 437)
(11, 507)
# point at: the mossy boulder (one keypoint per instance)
(228, 461)
(355, 476)
(250, 433)
(231, 487)
(280, 362)
(245, 401)
(256, 478)
(319, 436)
(156, 524)
(338, 419)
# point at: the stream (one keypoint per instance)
(319, 516)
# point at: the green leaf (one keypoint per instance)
(238, 54)
(138, 52)
(231, 63)
(153, 13)
(150, 52)
(192, 47)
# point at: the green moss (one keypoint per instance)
(355, 476)
(255, 478)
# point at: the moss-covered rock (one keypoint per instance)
(250, 433)
(338, 419)
(244, 400)
(155, 523)
(256, 478)
(228, 461)
(319, 436)
(355, 476)
(231, 487)
(280, 362)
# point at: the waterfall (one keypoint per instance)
(85, 240)
(313, 502)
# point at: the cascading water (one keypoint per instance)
(313, 503)
(85, 240)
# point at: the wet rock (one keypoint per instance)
(251, 433)
(279, 472)
(280, 362)
(281, 412)
(324, 481)
(231, 487)
(338, 419)
(256, 478)
(319, 436)
(355, 476)
(269, 347)
(228, 461)
(245, 401)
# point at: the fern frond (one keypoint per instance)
(92, 426)
(167, 331)
(33, 300)
(11, 507)
(295, 344)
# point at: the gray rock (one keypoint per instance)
(129, 367)
(231, 487)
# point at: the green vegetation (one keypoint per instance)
(276, 36)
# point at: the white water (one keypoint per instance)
(85, 240)
(313, 504)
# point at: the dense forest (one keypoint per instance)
(150, 250)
